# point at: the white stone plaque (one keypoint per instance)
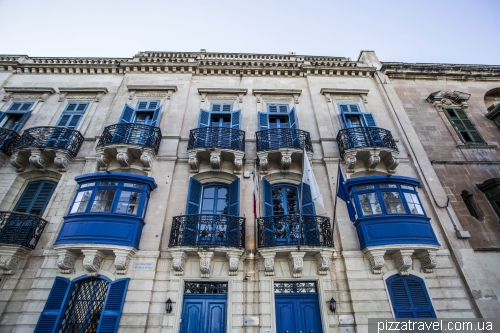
(144, 266)
(346, 319)
(346, 329)
(251, 321)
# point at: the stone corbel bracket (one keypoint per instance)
(39, 93)
(234, 261)
(296, 260)
(215, 159)
(122, 259)
(371, 158)
(323, 260)
(402, 261)
(205, 263)
(376, 258)
(151, 91)
(263, 162)
(441, 99)
(427, 260)
(178, 262)
(330, 92)
(268, 262)
(92, 261)
(11, 256)
(82, 93)
(66, 260)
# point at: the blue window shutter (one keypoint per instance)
(35, 197)
(72, 115)
(234, 198)
(409, 297)
(112, 310)
(369, 120)
(263, 121)
(156, 117)
(20, 123)
(272, 108)
(194, 197)
(227, 107)
(54, 307)
(307, 201)
(293, 119)
(267, 193)
(216, 107)
(127, 114)
(236, 119)
(2, 114)
(204, 119)
(343, 109)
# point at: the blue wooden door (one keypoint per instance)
(204, 313)
(298, 313)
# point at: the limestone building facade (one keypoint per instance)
(164, 192)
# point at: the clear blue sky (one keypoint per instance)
(441, 31)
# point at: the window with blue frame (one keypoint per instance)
(146, 113)
(213, 198)
(111, 197)
(16, 115)
(35, 197)
(86, 304)
(70, 119)
(353, 117)
(277, 116)
(219, 127)
(376, 199)
(409, 297)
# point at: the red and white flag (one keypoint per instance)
(255, 189)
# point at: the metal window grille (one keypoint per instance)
(85, 306)
(205, 288)
(295, 287)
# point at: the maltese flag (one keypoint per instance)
(308, 178)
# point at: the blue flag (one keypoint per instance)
(343, 193)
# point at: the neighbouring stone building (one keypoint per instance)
(127, 192)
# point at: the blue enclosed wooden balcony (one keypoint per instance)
(294, 230)
(42, 146)
(8, 139)
(282, 146)
(126, 143)
(208, 230)
(108, 208)
(366, 147)
(389, 212)
(20, 229)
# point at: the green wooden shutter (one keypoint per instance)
(35, 197)
(54, 307)
(464, 127)
(113, 307)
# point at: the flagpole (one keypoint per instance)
(300, 197)
(336, 193)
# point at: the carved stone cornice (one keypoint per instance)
(441, 99)
(137, 87)
(151, 91)
(228, 91)
(291, 92)
(82, 93)
(36, 93)
(400, 70)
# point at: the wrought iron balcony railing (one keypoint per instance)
(51, 137)
(292, 230)
(276, 138)
(364, 137)
(8, 139)
(131, 134)
(208, 230)
(20, 229)
(217, 137)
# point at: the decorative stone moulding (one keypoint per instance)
(151, 91)
(442, 99)
(11, 256)
(180, 255)
(290, 93)
(67, 255)
(82, 93)
(178, 262)
(344, 94)
(285, 158)
(323, 261)
(125, 155)
(268, 262)
(371, 158)
(215, 159)
(41, 159)
(217, 93)
(296, 260)
(402, 258)
(28, 93)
